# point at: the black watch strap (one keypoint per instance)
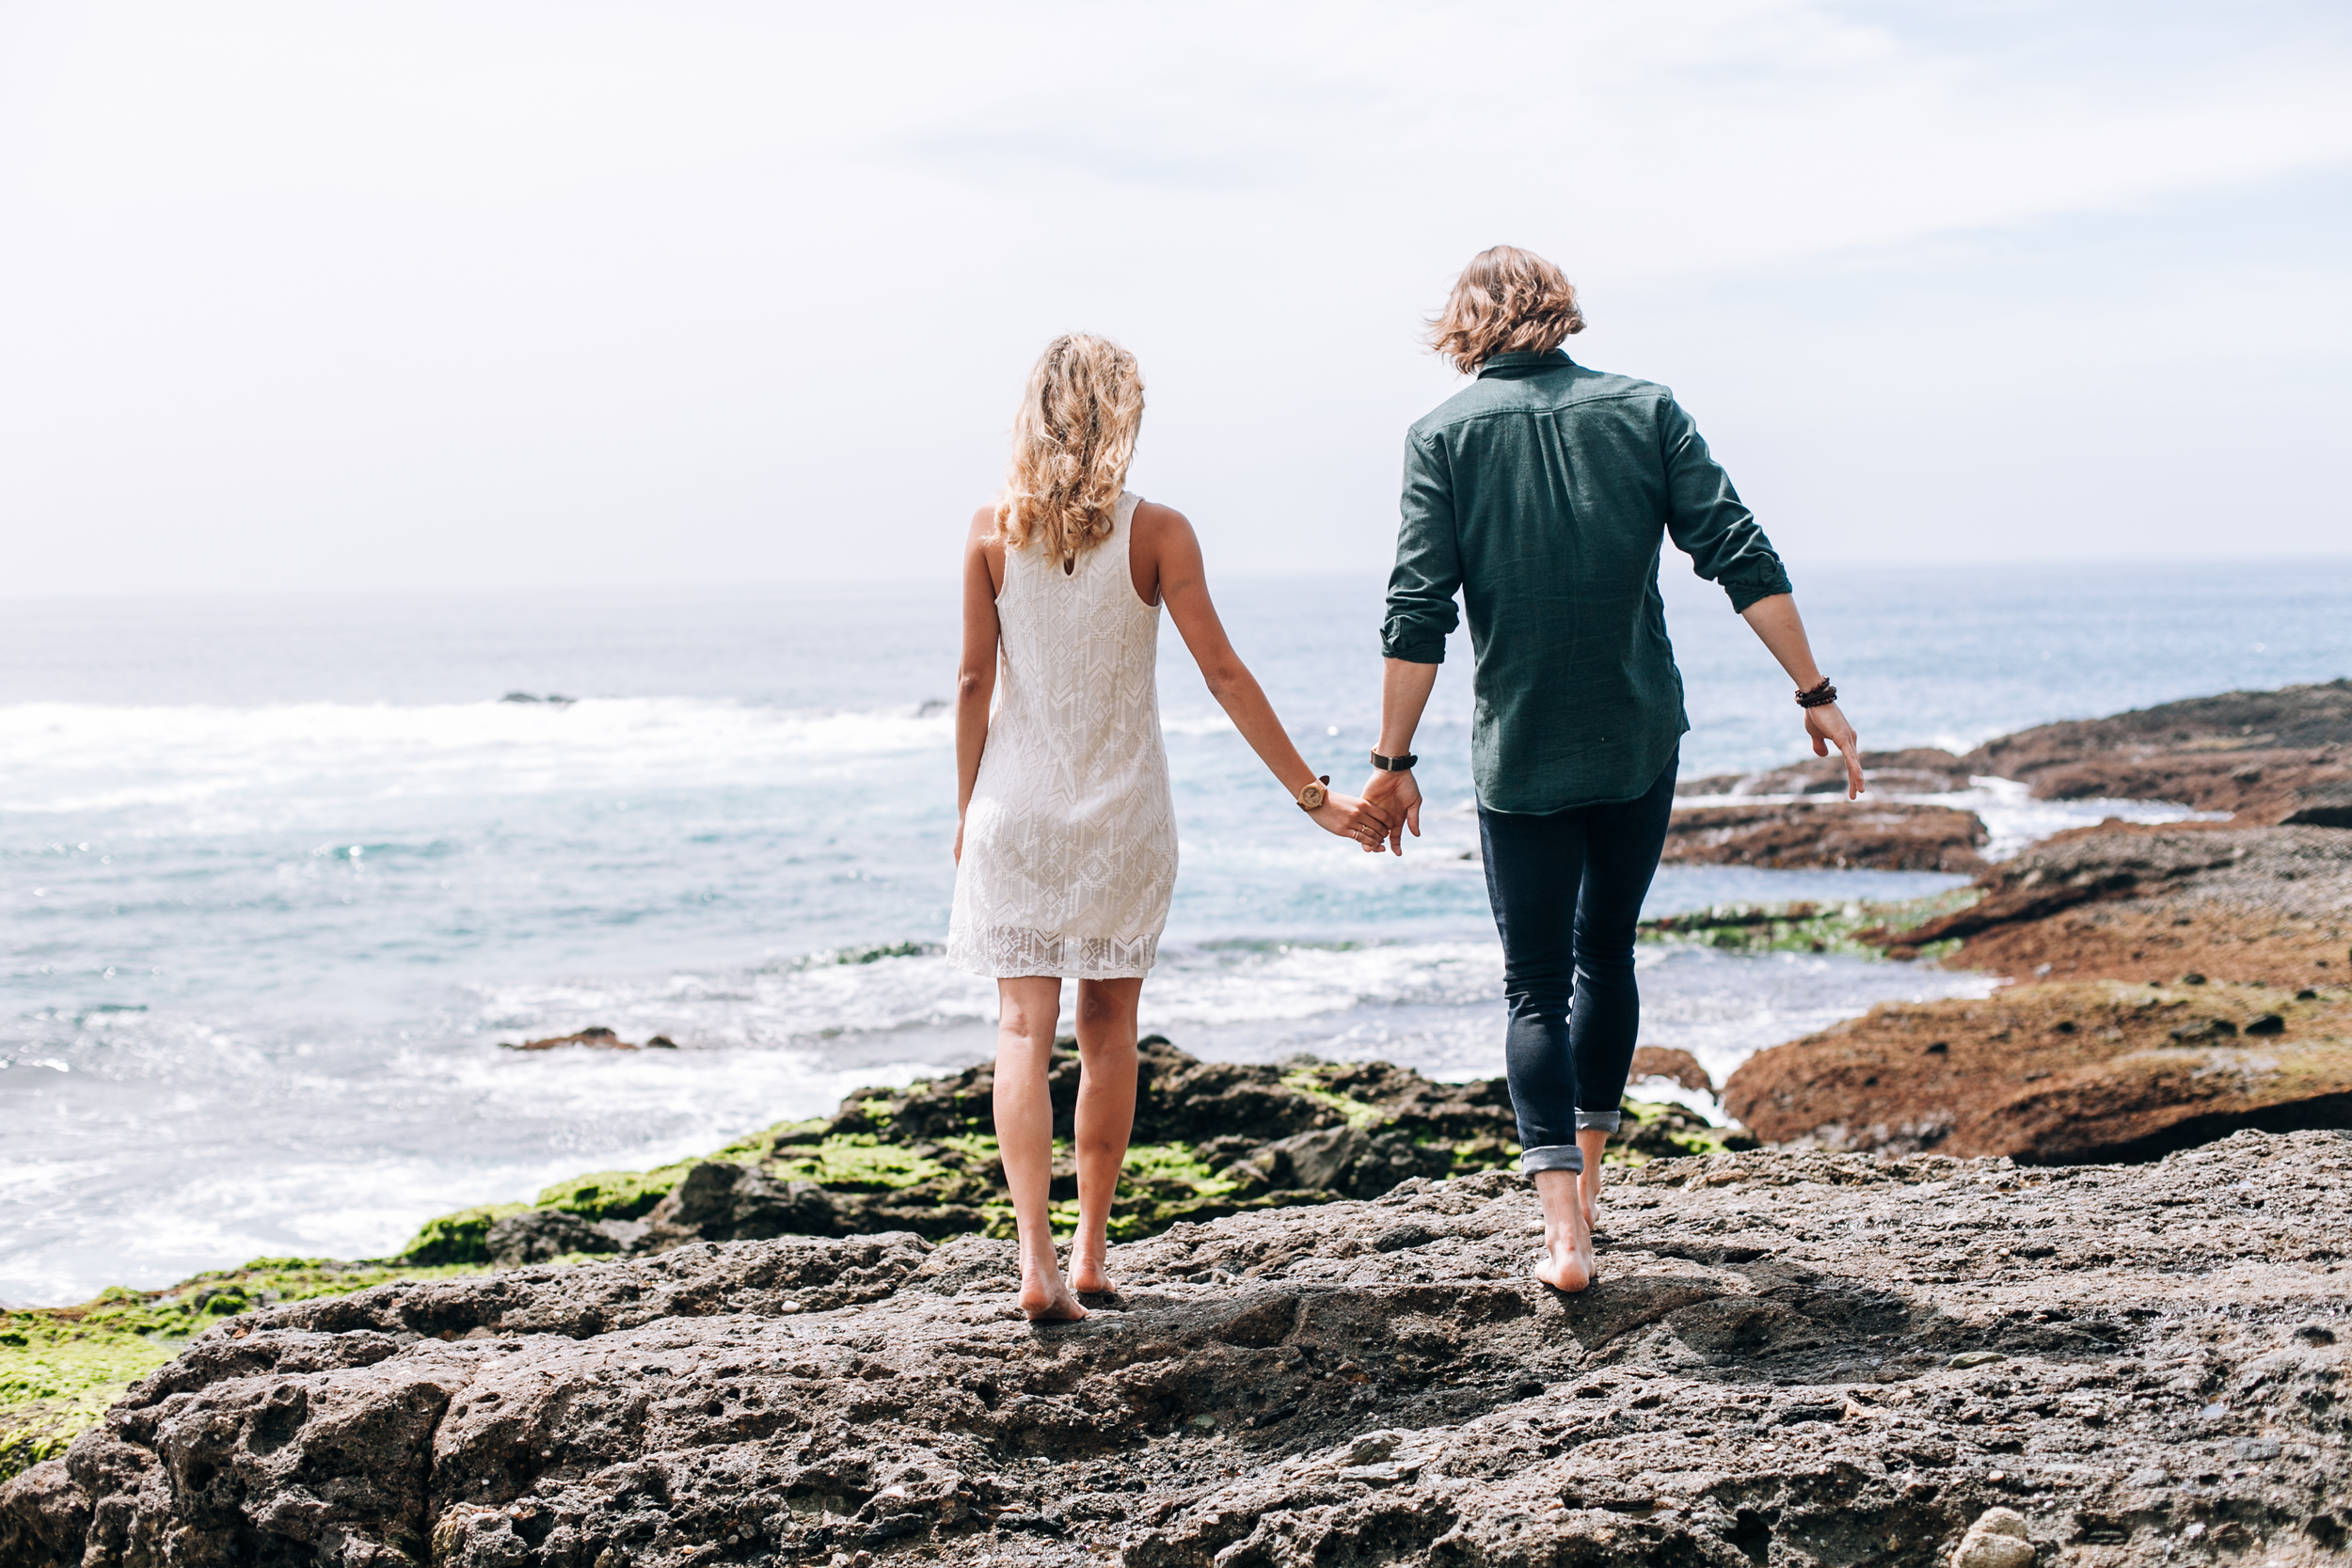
(1394, 765)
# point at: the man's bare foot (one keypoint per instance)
(1565, 1268)
(1048, 1300)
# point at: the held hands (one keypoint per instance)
(1349, 817)
(1397, 800)
(1828, 727)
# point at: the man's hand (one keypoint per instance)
(1397, 800)
(1828, 727)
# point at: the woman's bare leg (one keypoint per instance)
(1106, 1118)
(1592, 1140)
(1567, 1263)
(1026, 1010)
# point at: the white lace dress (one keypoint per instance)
(1070, 840)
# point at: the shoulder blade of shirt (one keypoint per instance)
(1569, 384)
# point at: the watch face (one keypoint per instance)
(1311, 796)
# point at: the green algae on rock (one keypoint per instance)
(1212, 1139)
(62, 1368)
(1807, 926)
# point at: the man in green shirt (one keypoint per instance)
(1543, 493)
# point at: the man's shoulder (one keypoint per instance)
(1569, 387)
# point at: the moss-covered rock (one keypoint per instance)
(458, 1238)
(1212, 1138)
(1806, 927)
(60, 1367)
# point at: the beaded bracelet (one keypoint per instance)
(1820, 696)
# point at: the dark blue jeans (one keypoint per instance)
(1566, 889)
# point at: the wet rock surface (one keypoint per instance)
(1840, 835)
(1211, 1138)
(1788, 1359)
(2279, 758)
(2152, 903)
(2055, 1073)
(1919, 771)
(1798, 817)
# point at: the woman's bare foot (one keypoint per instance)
(1087, 1278)
(1046, 1298)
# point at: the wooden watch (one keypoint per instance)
(1311, 797)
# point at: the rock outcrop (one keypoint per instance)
(1918, 771)
(2152, 903)
(1790, 1359)
(2056, 1073)
(596, 1038)
(1211, 1138)
(2276, 757)
(1798, 817)
(1857, 835)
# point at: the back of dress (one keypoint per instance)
(1069, 840)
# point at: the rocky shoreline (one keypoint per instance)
(2267, 758)
(1787, 1359)
(2176, 984)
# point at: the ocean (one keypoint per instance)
(277, 875)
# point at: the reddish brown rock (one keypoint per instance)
(2281, 757)
(2120, 901)
(2052, 1074)
(1919, 771)
(1657, 1061)
(1857, 835)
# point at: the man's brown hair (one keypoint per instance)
(1506, 301)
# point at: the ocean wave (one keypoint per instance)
(64, 758)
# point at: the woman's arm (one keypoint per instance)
(1174, 566)
(976, 670)
(1776, 621)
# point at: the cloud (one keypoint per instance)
(606, 293)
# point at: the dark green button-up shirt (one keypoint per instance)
(1542, 493)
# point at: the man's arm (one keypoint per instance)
(1777, 623)
(1422, 614)
(1404, 688)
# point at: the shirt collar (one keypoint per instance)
(1520, 361)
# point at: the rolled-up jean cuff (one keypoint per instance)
(1598, 1121)
(1552, 1157)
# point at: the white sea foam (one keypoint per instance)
(66, 758)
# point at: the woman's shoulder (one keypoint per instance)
(1153, 516)
(1153, 528)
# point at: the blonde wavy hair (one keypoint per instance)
(1506, 301)
(1072, 442)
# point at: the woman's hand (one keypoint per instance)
(1828, 727)
(1349, 817)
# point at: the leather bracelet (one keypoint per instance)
(1394, 765)
(1820, 696)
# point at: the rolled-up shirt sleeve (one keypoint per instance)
(1428, 570)
(1706, 519)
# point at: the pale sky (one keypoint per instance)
(508, 294)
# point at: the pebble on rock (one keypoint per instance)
(1997, 1540)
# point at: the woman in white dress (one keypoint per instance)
(1066, 837)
